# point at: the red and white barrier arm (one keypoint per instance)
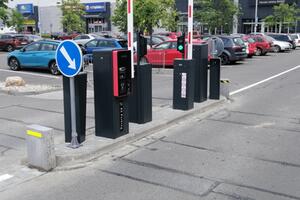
(130, 32)
(190, 29)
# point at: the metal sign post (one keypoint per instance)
(190, 29)
(69, 62)
(130, 32)
(74, 142)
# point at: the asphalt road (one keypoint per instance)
(249, 149)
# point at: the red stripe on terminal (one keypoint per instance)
(129, 6)
(129, 39)
(190, 11)
(190, 38)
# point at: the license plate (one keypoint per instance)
(23, 42)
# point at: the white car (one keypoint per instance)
(81, 40)
(296, 37)
(279, 46)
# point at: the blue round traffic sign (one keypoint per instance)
(69, 58)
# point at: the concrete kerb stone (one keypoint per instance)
(94, 147)
(16, 92)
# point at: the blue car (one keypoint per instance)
(101, 43)
(39, 54)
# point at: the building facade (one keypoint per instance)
(246, 21)
(47, 15)
(265, 8)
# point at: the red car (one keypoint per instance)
(10, 42)
(171, 35)
(66, 36)
(251, 45)
(263, 46)
(165, 53)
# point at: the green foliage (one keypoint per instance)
(72, 11)
(3, 15)
(16, 20)
(148, 14)
(216, 14)
(3, 3)
(283, 13)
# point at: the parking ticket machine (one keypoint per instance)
(112, 85)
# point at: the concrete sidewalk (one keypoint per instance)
(16, 112)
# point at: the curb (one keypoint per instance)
(73, 161)
(17, 93)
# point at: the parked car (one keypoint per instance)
(10, 42)
(296, 37)
(250, 42)
(170, 35)
(83, 39)
(263, 44)
(155, 41)
(234, 49)
(39, 54)
(101, 43)
(283, 37)
(164, 53)
(67, 36)
(32, 38)
(279, 46)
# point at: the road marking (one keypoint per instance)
(5, 177)
(263, 81)
(29, 73)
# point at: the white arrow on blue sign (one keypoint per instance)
(69, 58)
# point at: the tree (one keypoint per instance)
(270, 21)
(148, 14)
(216, 14)
(72, 11)
(3, 15)
(16, 20)
(3, 3)
(283, 14)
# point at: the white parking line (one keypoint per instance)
(263, 81)
(32, 74)
(5, 177)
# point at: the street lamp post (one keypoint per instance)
(39, 19)
(256, 17)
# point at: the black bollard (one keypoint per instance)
(140, 101)
(200, 55)
(183, 84)
(80, 103)
(214, 80)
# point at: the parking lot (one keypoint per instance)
(241, 73)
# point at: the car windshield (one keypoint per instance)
(238, 41)
(269, 39)
(294, 37)
(251, 40)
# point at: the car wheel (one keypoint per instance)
(9, 48)
(225, 59)
(14, 64)
(277, 49)
(258, 52)
(53, 68)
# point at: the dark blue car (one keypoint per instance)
(100, 44)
